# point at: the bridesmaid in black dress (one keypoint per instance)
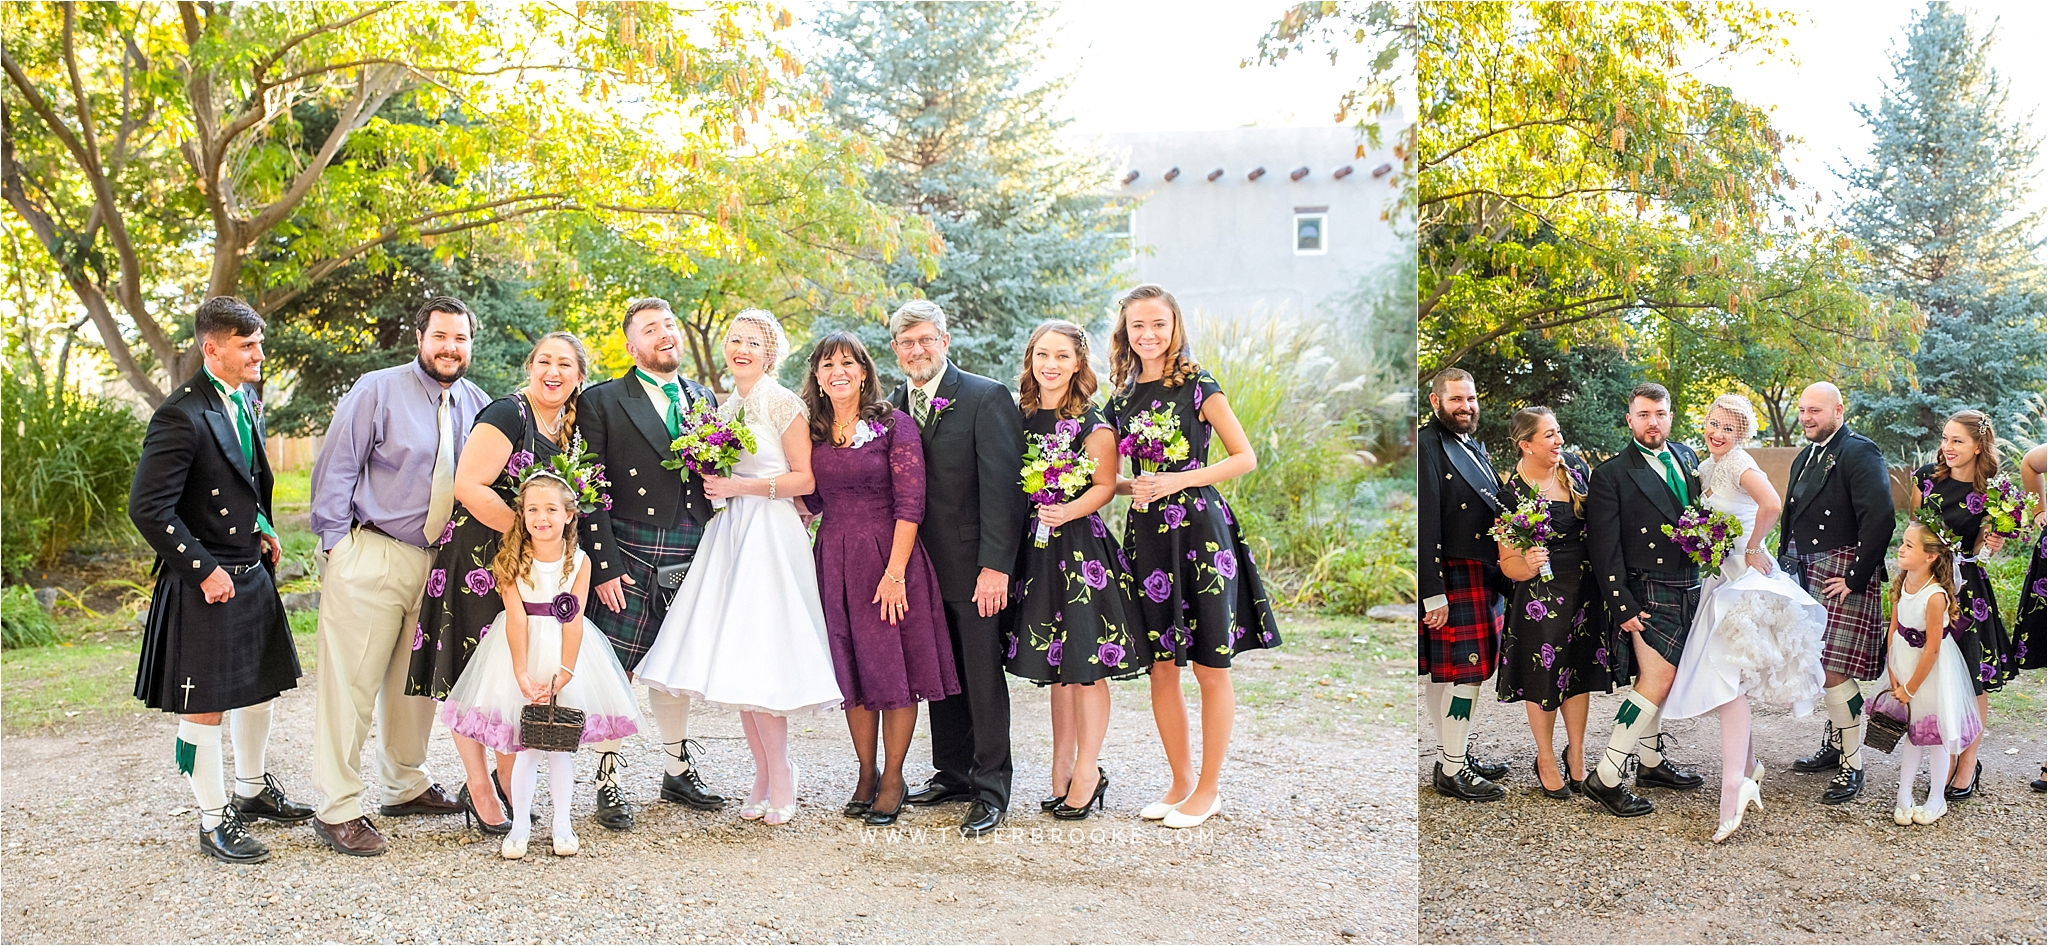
(1200, 598)
(1555, 649)
(1071, 623)
(1954, 484)
(2030, 633)
(461, 599)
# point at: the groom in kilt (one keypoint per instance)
(1839, 481)
(215, 643)
(1652, 589)
(656, 519)
(1460, 580)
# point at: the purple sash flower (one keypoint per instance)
(1913, 637)
(565, 607)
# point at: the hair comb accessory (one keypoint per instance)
(577, 468)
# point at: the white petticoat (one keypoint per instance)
(1760, 636)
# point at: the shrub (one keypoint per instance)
(66, 471)
(23, 622)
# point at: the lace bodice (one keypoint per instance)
(1722, 479)
(770, 408)
(871, 487)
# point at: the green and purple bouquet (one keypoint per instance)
(1705, 536)
(1526, 527)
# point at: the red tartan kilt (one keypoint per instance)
(1466, 648)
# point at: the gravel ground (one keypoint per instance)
(95, 850)
(1532, 869)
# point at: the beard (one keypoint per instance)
(427, 365)
(923, 375)
(1464, 422)
(1823, 431)
(1653, 441)
(658, 361)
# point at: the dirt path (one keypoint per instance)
(1316, 844)
(1531, 869)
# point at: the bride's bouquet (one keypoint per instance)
(1704, 535)
(2006, 507)
(1056, 471)
(1525, 527)
(1155, 439)
(710, 445)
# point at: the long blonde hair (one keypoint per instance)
(514, 561)
(1942, 571)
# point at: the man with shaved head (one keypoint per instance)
(1836, 531)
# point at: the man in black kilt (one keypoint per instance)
(656, 520)
(1652, 589)
(216, 640)
(1460, 580)
(1835, 535)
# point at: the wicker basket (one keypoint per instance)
(550, 727)
(1880, 732)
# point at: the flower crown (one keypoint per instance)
(1929, 518)
(575, 467)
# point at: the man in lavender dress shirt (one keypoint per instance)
(383, 494)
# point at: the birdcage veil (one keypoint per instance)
(770, 328)
(1739, 406)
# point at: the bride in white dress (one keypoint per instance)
(746, 631)
(1757, 634)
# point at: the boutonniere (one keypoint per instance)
(939, 406)
(1827, 465)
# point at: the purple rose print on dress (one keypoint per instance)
(447, 533)
(1926, 488)
(1600, 656)
(1111, 655)
(479, 582)
(1158, 586)
(486, 631)
(1980, 609)
(1579, 618)
(1201, 504)
(1226, 563)
(1536, 611)
(1548, 655)
(1095, 525)
(437, 582)
(1191, 555)
(2041, 587)
(518, 462)
(1054, 652)
(1564, 677)
(1012, 652)
(419, 636)
(1175, 515)
(1987, 672)
(1122, 561)
(1227, 518)
(1095, 574)
(1974, 503)
(1067, 427)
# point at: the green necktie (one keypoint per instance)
(245, 428)
(675, 408)
(1673, 479)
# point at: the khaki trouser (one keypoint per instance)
(369, 602)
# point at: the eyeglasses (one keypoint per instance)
(928, 343)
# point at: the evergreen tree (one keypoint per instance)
(1934, 201)
(970, 141)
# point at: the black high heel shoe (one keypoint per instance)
(1564, 775)
(470, 816)
(1958, 794)
(1050, 802)
(1578, 785)
(1066, 813)
(876, 817)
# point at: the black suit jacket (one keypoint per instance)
(194, 499)
(1847, 500)
(974, 508)
(1627, 506)
(1459, 501)
(619, 424)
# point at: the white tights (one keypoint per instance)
(1738, 753)
(1909, 766)
(561, 788)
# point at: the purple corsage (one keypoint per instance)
(563, 607)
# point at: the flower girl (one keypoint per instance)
(1924, 682)
(541, 646)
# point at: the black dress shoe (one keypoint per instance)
(876, 816)
(1466, 785)
(1490, 771)
(858, 807)
(1957, 794)
(612, 809)
(271, 805)
(1828, 759)
(1846, 785)
(688, 788)
(1050, 802)
(230, 842)
(2040, 784)
(505, 802)
(981, 819)
(1666, 775)
(1562, 791)
(1617, 799)
(936, 793)
(434, 801)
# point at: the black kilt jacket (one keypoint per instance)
(619, 423)
(1839, 495)
(1458, 500)
(1627, 506)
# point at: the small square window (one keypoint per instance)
(1311, 234)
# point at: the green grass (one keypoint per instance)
(91, 677)
(1352, 671)
(293, 492)
(2020, 704)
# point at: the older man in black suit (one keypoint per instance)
(216, 639)
(974, 517)
(1652, 589)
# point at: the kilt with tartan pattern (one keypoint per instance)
(1671, 599)
(645, 548)
(1853, 644)
(1465, 648)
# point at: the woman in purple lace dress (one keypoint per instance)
(883, 614)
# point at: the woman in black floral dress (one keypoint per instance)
(1555, 649)
(461, 600)
(1071, 623)
(1954, 485)
(1200, 598)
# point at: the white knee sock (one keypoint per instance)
(1909, 766)
(525, 772)
(561, 786)
(672, 721)
(249, 728)
(1636, 715)
(1845, 713)
(1437, 695)
(199, 758)
(1646, 744)
(605, 773)
(1461, 700)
